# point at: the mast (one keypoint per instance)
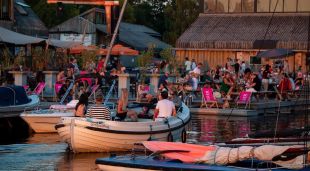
(115, 34)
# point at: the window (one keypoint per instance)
(222, 6)
(235, 6)
(263, 5)
(276, 5)
(5, 10)
(248, 6)
(290, 5)
(303, 6)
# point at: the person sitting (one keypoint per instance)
(63, 91)
(284, 85)
(255, 84)
(227, 85)
(61, 77)
(81, 106)
(122, 111)
(164, 108)
(299, 80)
(98, 111)
(143, 90)
(176, 100)
(150, 104)
(162, 87)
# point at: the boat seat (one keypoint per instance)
(144, 120)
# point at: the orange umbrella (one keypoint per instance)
(80, 48)
(119, 50)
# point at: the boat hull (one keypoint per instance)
(44, 121)
(34, 102)
(94, 135)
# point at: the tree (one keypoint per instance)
(179, 15)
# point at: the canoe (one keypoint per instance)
(44, 121)
(98, 135)
(291, 157)
(146, 163)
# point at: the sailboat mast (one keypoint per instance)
(115, 34)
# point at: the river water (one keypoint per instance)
(46, 151)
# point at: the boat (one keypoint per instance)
(14, 99)
(98, 135)
(44, 120)
(264, 141)
(179, 156)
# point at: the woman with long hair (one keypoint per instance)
(81, 106)
(122, 111)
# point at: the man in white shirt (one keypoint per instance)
(164, 108)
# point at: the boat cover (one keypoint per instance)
(9, 93)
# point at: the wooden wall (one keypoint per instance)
(217, 57)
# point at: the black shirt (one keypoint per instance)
(258, 84)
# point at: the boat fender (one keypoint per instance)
(151, 129)
(170, 137)
(183, 136)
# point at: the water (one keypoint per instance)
(46, 151)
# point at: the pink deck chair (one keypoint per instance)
(207, 97)
(57, 88)
(39, 89)
(244, 98)
(26, 87)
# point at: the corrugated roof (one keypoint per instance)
(28, 22)
(241, 31)
(137, 36)
(8, 36)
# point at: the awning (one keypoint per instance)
(119, 50)
(8, 36)
(63, 44)
(275, 53)
(80, 48)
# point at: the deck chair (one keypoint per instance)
(244, 98)
(57, 88)
(94, 88)
(39, 89)
(208, 98)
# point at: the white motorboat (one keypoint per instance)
(97, 135)
(14, 99)
(44, 121)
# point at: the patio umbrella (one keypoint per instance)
(120, 50)
(275, 53)
(80, 48)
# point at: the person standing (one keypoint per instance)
(193, 64)
(266, 76)
(164, 108)
(188, 65)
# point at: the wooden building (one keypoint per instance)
(17, 16)
(241, 28)
(90, 27)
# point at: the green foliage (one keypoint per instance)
(146, 57)
(167, 55)
(6, 59)
(179, 15)
(87, 57)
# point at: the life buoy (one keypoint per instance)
(183, 136)
(170, 137)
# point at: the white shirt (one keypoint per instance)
(165, 108)
(188, 65)
(194, 65)
(197, 70)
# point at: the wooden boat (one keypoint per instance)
(14, 99)
(44, 121)
(97, 135)
(176, 156)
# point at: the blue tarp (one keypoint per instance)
(9, 93)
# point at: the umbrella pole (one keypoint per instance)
(114, 34)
